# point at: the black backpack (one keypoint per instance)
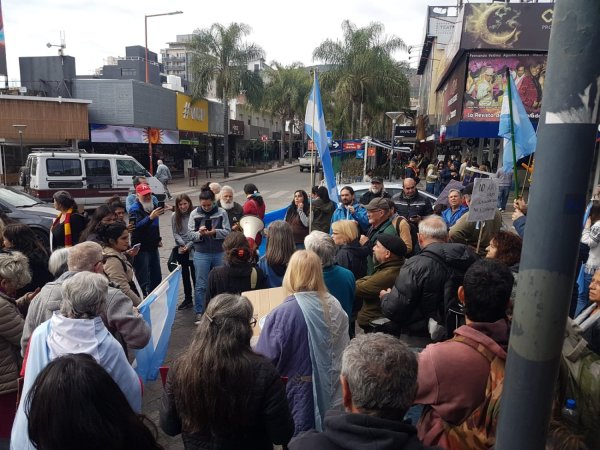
(414, 231)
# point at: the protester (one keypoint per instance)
(208, 227)
(68, 225)
(349, 254)
(368, 176)
(78, 328)
(104, 215)
(456, 208)
(378, 212)
(379, 383)
(339, 281)
(280, 247)
(118, 316)
(562, 437)
(219, 393)
(388, 254)
(21, 238)
(350, 209)
(506, 247)
(592, 334)
(505, 182)
(216, 188)
(376, 190)
(590, 237)
(297, 216)
(132, 198)
(235, 211)
(179, 224)
(410, 203)
(431, 177)
(322, 209)
(117, 268)
(450, 392)
(163, 174)
(14, 274)
(411, 171)
(106, 422)
(254, 203)
(309, 310)
(117, 207)
(57, 263)
(442, 180)
(237, 274)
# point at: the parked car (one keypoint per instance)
(28, 210)
(306, 161)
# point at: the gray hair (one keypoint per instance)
(84, 295)
(322, 244)
(57, 263)
(228, 189)
(14, 269)
(455, 190)
(434, 228)
(84, 256)
(381, 372)
(159, 162)
(214, 186)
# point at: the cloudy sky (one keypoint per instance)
(97, 29)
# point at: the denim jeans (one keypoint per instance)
(203, 262)
(503, 192)
(430, 187)
(147, 269)
(583, 300)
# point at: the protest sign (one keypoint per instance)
(484, 200)
(263, 301)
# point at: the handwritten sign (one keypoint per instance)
(484, 200)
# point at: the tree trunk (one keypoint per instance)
(352, 120)
(225, 136)
(282, 142)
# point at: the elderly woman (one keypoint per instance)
(309, 310)
(506, 247)
(68, 225)
(229, 402)
(14, 274)
(350, 254)
(77, 328)
(280, 247)
(58, 262)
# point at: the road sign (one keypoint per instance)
(336, 144)
(350, 146)
(329, 136)
(484, 200)
(371, 151)
(264, 138)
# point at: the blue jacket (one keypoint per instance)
(341, 284)
(360, 215)
(146, 230)
(451, 217)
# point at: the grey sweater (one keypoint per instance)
(216, 219)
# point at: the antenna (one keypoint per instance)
(62, 45)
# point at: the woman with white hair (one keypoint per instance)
(77, 328)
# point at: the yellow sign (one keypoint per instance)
(191, 116)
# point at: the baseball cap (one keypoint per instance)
(378, 203)
(143, 189)
(376, 180)
(393, 243)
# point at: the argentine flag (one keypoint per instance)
(525, 138)
(314, 115)
(158, 310)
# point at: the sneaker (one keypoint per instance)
(198, 318)
(186, 304)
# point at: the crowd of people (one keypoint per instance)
(387, 301)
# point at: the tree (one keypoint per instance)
(286, 93)
(220, 56)
(362, 69)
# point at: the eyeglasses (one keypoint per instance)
(253, 322)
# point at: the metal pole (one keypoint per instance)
(21, 146)
(392, 150)
(568, 125)
(146, 40)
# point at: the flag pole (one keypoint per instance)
(512, 132)
(314, 152)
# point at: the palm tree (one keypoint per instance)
(285, 95)
(219, 55)
(362, 68)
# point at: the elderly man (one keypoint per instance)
(350, 209)
(465, 232)
(380, 219)
(412, 204)
(216, 188)
(388, 254)
(339, 280)
(234, 210)
(78, 328)
(379, 382)
(376, 191)
(456, 209)
(163, 174)
(132, 197)
(118, 314)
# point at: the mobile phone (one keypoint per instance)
(161, 204)
(138, 245)
(132, 221)
(208, 224)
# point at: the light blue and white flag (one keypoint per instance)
(524, 134)
(158, 310)
(318, 133)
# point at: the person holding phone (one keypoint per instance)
(208, 227)
(144, 216)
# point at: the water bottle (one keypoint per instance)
(569, 412)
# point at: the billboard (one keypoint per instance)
(132, 135)
(452, 94)
(441, 22)
(486, 83)
(2, 45)
(191, 116)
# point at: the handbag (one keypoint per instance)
(172, 261)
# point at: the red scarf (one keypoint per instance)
(67, 223)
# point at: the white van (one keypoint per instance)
(91, 178)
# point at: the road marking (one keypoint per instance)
(278, 194)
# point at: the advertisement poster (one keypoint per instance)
(452, 94)
(486, 82)
(131, 135)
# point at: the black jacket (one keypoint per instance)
(234, 214)
(233, 280)
(368, 196)
(322, 212)
(419, 205)
(353, 257)
(418, 291)
(271, 420)
(345, 431)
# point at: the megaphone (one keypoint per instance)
(251, 226)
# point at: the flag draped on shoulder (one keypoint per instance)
(314, 124)
(521, 133)
(158, 310)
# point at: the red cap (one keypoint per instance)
(143, 189)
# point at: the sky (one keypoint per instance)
(95, 30)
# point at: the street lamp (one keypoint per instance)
(392, 115)
(20, 129)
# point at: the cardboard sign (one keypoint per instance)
(484, 201)
(264, 301)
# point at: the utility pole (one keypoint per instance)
(567, 131)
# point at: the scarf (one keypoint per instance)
(67, 224)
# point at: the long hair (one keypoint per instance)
(100, 213)
(304, 273)
(213, 379)
(24, 240)
(595, 211)
(236, 249)
(251, 189)
(508, 247)
(179, 214)
(280, 243)
(57, 420)
(305, 204)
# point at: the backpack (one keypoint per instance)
(478, 430)
(414, 231)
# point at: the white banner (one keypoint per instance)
(484, 200)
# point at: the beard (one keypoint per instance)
(148, 206)
(375, 189)
(227, 205)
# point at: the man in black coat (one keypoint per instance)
(377, 190)
(379, 383)
(412, 204)
(234, 210)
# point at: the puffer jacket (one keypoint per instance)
(11, 328)
(419, 288)
(218, 220)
